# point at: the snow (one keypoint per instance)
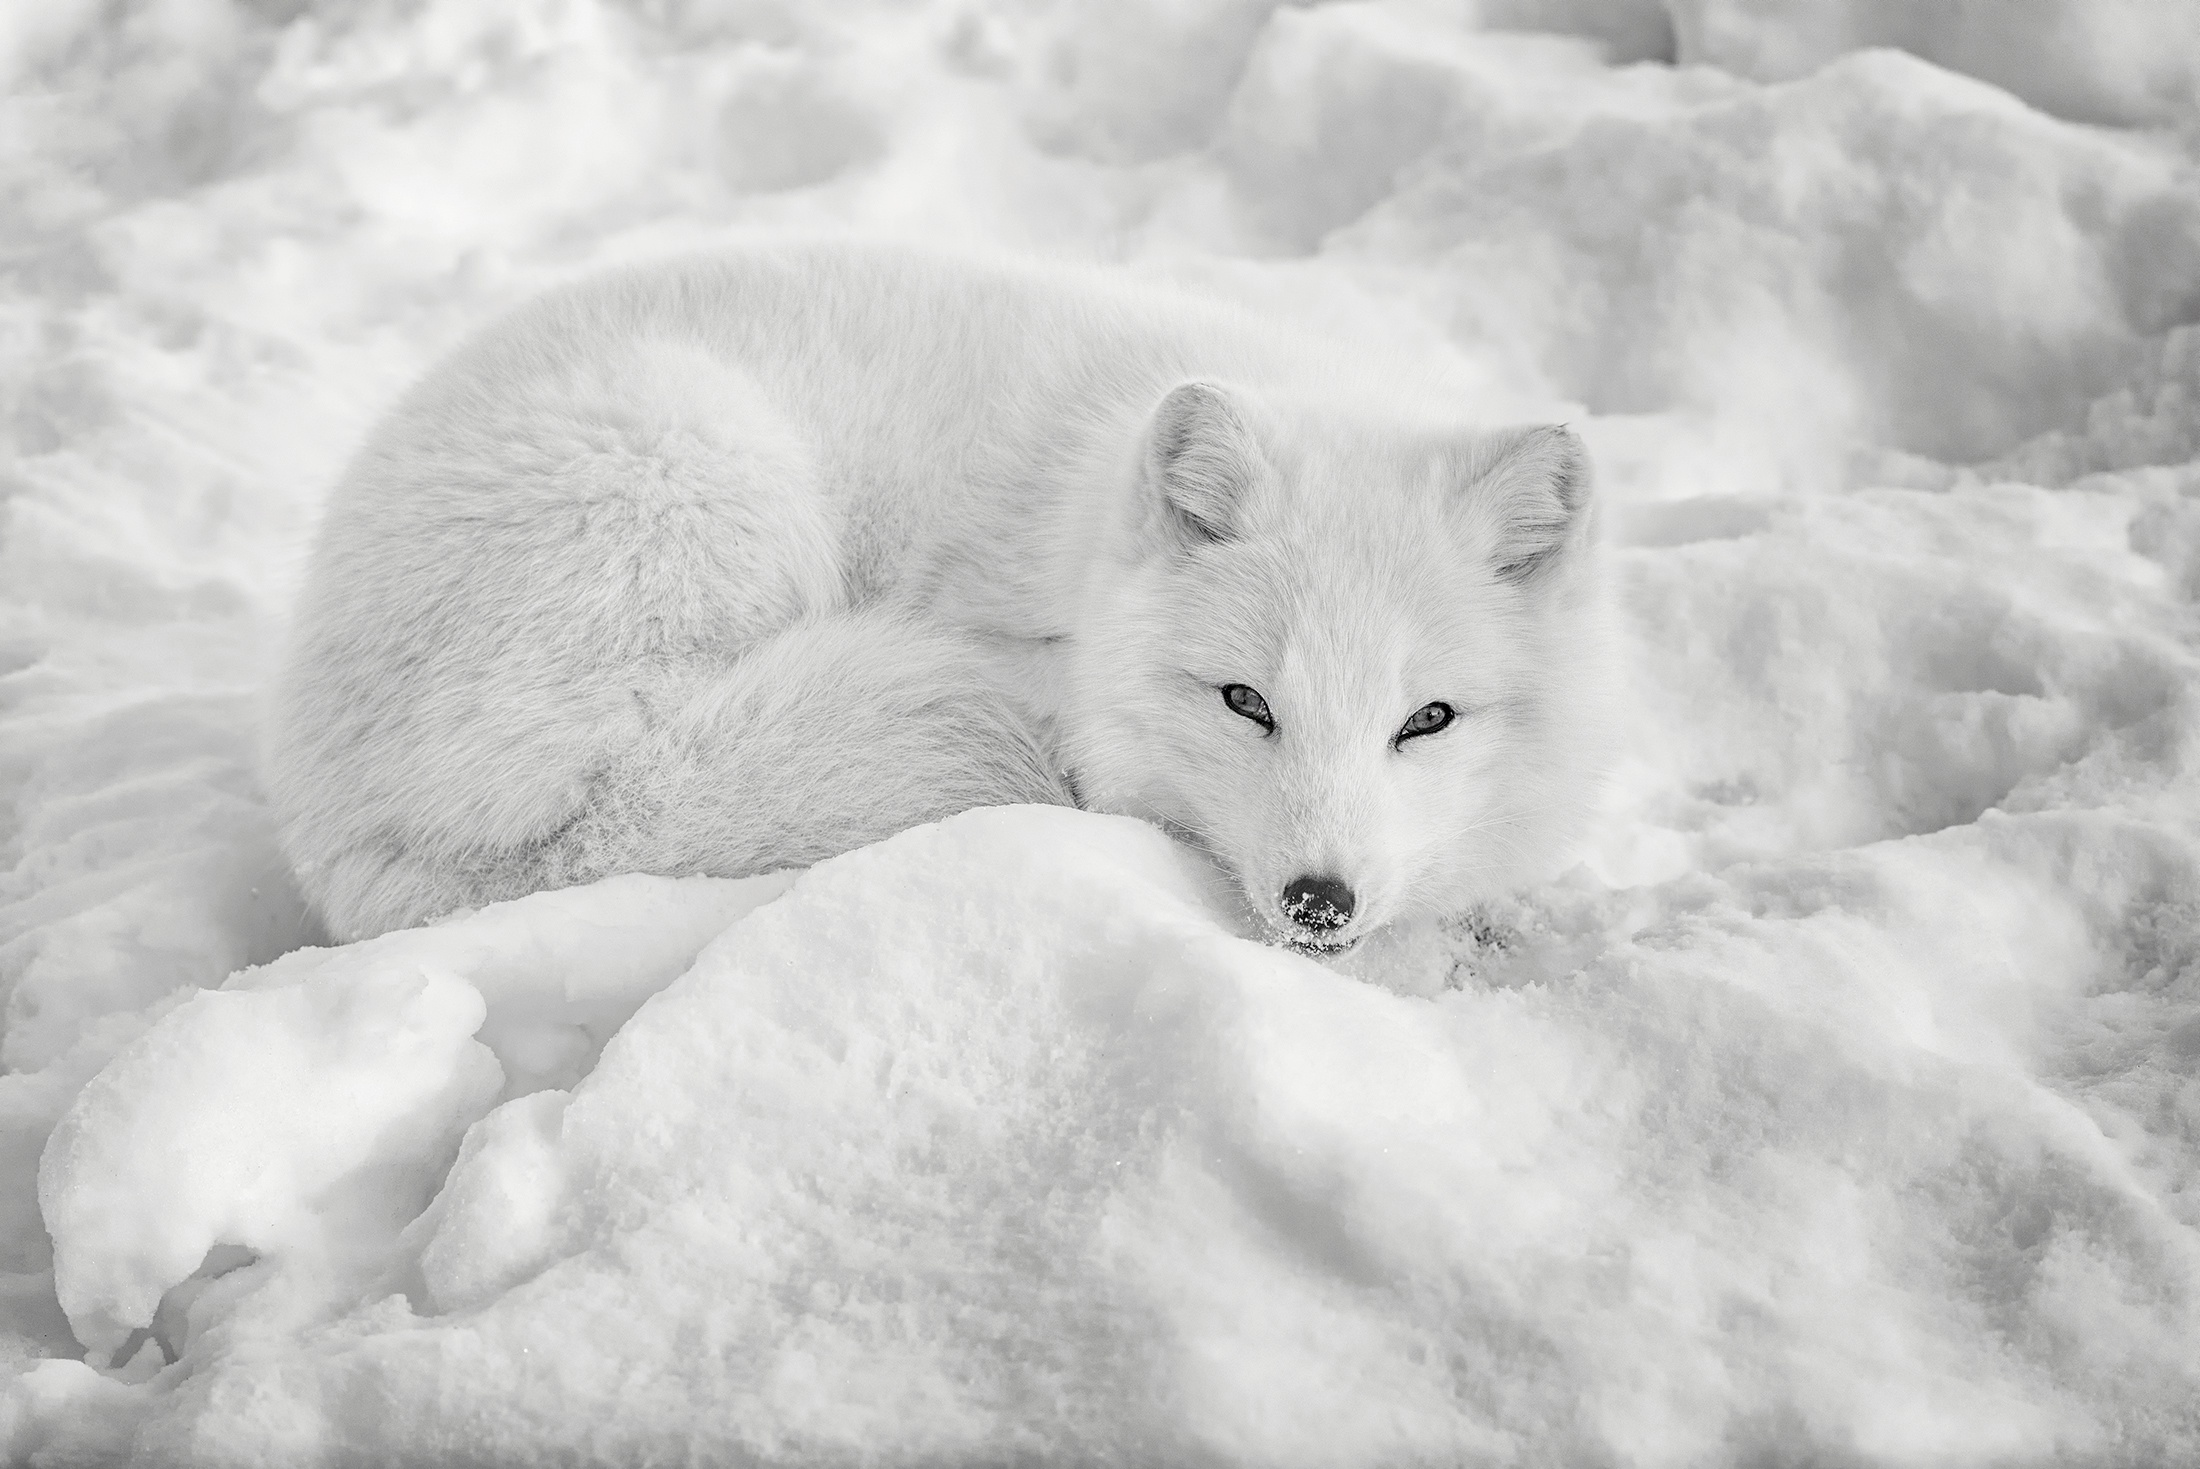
(2111, 61)
(1842, 1106)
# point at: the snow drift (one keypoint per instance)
(991, 1141)
(1844, 1105)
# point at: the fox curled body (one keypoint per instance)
(732, 564)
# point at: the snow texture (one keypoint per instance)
(1843, 1106)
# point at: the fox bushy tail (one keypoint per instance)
(836, 731)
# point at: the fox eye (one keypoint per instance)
(1427, 719)
(1248, 704)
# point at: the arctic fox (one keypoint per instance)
(733, 564)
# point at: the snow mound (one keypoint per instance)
(2110, 61)
(1794, 253)
(993, 1140)
(307, 1111)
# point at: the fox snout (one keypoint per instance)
(1318, 903)
(1316, 906)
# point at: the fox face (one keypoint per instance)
(1343, 662)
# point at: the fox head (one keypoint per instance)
(1347, 655)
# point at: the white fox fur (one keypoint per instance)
(733, 564)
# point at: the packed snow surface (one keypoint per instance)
(1842, 1106)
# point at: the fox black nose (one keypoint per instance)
(1317, 902)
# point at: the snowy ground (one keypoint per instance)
(1843, 1107)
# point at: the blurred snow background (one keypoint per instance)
(1844, 1107)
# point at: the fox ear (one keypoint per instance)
(1200, 461)
(1532, 492)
